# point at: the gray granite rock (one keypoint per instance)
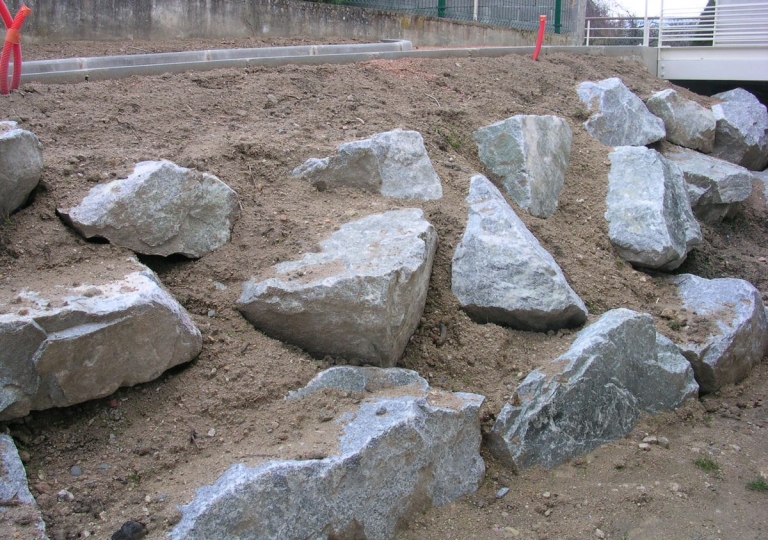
(715, 187)
(763, 178)
(361, 379)
(650, 222)
(687, 123)
(20, 517)
(21, 165)
(501, 274)
(398, 456)
(619, 117)
(528, 156)
(742, 129)
(394, 163)
(737, 332)
(592, 394)
(360, 297)
(65, 344)
(161, 209)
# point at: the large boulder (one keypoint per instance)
(742, 129)
(715, 187)
(650, 222)
(592, 394)
(21, 165)
(359, 297)
(528, 156)
(736, 336)
(399, 454)
(161, 209)
(619, 117)
(63, 344)
(394, 163)
(19, 515)
(501, 274)
(687, 123)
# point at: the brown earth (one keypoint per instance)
(144, 450)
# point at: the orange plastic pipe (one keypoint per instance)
(12, 43)
(540, 38)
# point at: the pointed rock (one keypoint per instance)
(528, 155)
(619, 117)
(715, 187)
(394, 163)
(501, 274)
(687, 123)
(19, 515)
(650, 222)
(399, 455)
(63, 344)
(161, 209)
(737, 335)
(742, 129)
(21, 165)
(360, 297)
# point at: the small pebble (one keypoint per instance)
(381, 411)
(651, 440)
(512, 531)
(599, 533)
(64, 495)
(546, 494)
(644, 446)
(75, 470)
(212, 313)
(664, 442)
(212, 432)
(503, 491)
(103, 466)
(131, 530)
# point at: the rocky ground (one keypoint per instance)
(141, 452)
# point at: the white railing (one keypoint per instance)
(620, 30)
(731, 22)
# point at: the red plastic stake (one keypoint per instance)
(539, 39)
(12, 43)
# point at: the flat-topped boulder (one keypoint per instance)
(21, 165)
(501, 274)
(737, 335)
(527, 155)
(594, 393)
(66, 343)
(619, 117)
(359, 297)
(399, 454)
(687, 123)
(394, 163)
(20, 517)
(742, 129)
(715, 187)
(160, 209)
(650, 222)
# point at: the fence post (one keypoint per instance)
(474, 11)
(589, 24)
(661, 23)
(441, 8)
(558, 10)
(646, 30)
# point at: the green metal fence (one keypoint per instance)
(523, 14)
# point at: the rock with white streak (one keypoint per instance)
(501, 274)
(399, 454)
(619, 117)
(738, 333)
(687, 123)
(715, 187)
(650, 222)
(21, 165)
(528, 156)
(19, 514)
(160, 209)
(65, 344)
(359, 297)
(741, 136)
(394, 163)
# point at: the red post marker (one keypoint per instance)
(539, 39)
(12, 43)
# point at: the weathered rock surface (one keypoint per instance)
(359, 298)
(592, 394)
(715, 187)
(398, 456)
(619, 117)
(161, 209)
(763, 177)
(687, 123)
(528, 156)
(650, 222)
(394, 163)
(21, 164)
(67, 344)
(501, 274)
(20, 517)
(361, 379)
(742, 129)
(738, 332)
